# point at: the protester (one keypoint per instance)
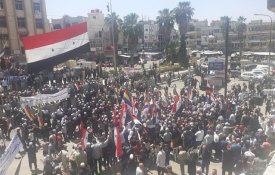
(150, 124)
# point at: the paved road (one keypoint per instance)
(20, 166)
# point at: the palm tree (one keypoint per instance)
(183, 14)
(171, 52)
(165, 21)
(113, 20)
(133, 30)
(241, 29)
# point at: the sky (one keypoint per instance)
(148, 9)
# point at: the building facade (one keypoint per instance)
(98, 31)
(66, 21)
(256, 36)
(271, 5)
(151, 32)
(21, 18)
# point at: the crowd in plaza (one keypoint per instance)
(155, 127)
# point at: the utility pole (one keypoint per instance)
(226, 54)
(113, 38)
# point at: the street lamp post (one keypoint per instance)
(270, 38)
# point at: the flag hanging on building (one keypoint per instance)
(49, 49)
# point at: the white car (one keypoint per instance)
(259, 74)
(265, 71)
(246, 76)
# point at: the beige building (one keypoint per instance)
(66, 21)
(21, 18)
(98, 30)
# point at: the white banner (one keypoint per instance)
(9, 154)
(44, 98)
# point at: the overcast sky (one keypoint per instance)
(204, 9)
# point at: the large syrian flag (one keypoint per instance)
(46, 50)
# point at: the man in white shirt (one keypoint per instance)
(208, 138)
(140, 169)
(161, 156)
(199, 136)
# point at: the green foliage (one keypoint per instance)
(183, 14)
(241, 29)
(105, 74)
(171, 52)
(182, 54)
(171, 68)
(165, 21)
(132, 29)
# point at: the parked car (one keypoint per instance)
(246, 76)
(259, 74)
(250, 67)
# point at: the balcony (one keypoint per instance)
(271, 5)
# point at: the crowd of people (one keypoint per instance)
(155, 125)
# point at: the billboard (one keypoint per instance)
(216, 63)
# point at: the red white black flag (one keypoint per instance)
(49, 49)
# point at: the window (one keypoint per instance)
(1, 4)
(57, 26)
(3, 21)
(18, 4)
(21, 22)
(39, 23)
(36, 7)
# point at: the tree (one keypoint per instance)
(183, 14)
(113, 20)
(133, 30)
(171, 52)
(241, 29)
(182, 54)
(165, 21)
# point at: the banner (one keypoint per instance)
(44, 98)
(9, 154)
